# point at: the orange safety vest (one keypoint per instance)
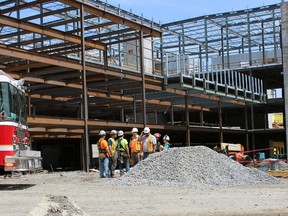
(102, 145)
(149, 144)
(135, 145)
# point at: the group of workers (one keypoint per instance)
(119, 151)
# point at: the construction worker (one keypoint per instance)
(166, 140)
(104, 154)
(158, 145)
(135, 146)
(124, 157)
(149, 142)
(113, 149)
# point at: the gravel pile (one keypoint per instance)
(283, 166)
(196, 167)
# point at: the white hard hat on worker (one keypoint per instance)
(120, 133)
(102, 133)
(113, 132)
(146, 130)
(166, 137)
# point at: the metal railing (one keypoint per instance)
(214, 78)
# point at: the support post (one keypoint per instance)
(227, 43)
(183, 39)
(143, 78)
(200, 58)
(84, 94)
(284, 30)
(263, 42)
(252, 128)
(187, 120)
(246, 127)
(220, 121)
(249, 39)
(206, 49)
(172, 115)
(122, 114)
(105, 55)
(201, 117)
(29, 93)
(222, 48)
(155, 116)
(274, 36)
(134, 111)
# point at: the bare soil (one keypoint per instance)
(79, 193)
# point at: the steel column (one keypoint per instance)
(246, 127)
(122, 114)
(187, 120)
(206, 48)
(249, 39)
(220, 121)
(222, 48)
(274, 37)
(183, 39)
(201, 117)
(155, 116)
(252, 128)
(227, 43)
(143, 77)
(263, 42)
(172, 115)
(200, 58)
(84, 93)
(134, 111)
(284, 31)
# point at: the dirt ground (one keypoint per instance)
(87, 194)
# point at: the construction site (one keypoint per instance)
(80, 67)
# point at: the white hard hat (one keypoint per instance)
(113, 132)
(134, 130)
(102, 133)
(166, 137)
(120, 133)
(146, 130)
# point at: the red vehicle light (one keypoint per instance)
(9, 164)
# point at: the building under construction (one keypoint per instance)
(90, 66)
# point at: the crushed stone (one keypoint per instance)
(192, 167)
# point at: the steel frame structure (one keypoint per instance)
(72, 55)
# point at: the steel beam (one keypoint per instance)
(190, 39)
(32, 27)
(233, 32)
(23, 6)
(222, 15)
(23, 54)
(94, 10)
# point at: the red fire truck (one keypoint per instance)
(15, 153)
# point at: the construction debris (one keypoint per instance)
(195, 167)
(57, 206)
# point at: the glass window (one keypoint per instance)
(12, 104)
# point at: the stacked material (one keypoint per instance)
(197, 167)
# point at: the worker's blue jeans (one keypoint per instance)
(126, 163)
(145, 155)
(104, 167)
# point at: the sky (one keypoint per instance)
(164, 11)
